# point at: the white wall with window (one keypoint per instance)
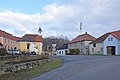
(62, 52)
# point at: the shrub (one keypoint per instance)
(74, 51)
(77, 51)
(3, 52)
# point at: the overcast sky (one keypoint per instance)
(59, 17)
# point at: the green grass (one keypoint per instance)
(45, 67)
(3, 61)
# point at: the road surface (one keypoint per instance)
(85, 68)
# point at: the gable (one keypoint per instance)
(110, 39)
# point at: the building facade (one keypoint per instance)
(8, 40)
(96, 46)
(62, 50)
(107, 44)
(81, 42)
(25, 44)
(112, 45)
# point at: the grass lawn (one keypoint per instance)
(3, 61)
(27, 74)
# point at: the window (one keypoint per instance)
(94, 45)
(62, 52)
(8, 41)
(101, 49)
(5, 40)
(111, 39)
(108, 39)
(28, 45)
(59, 52)
(81, 51)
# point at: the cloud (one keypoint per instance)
(63, 18)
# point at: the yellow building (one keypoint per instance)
(30, 43)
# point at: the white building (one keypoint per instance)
(112, 44)
(108, 44)
(63, 50)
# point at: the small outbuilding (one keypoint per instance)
(62, 50)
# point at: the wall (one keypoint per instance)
(119, 47)
(6, 69)
(77, 45)
(23, 46)
(96, 50)
(62, 52)
(10, 44)
(114, 42)
(1, 40)
(81, 46)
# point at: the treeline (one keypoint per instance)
(48, 41)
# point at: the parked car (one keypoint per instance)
(13, 51)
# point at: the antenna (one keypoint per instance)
(80, 27)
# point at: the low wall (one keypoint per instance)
(6, 69)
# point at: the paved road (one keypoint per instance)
(86, 68)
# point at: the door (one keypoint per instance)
(66, 52)
(111, 50)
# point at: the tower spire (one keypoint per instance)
(40, 30)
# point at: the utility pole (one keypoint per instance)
(80, 27)
(80, 34)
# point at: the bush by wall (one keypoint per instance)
(3, 52)
(74, 51)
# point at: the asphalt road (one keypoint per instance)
(85, 68)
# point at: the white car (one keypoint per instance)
(13, 51)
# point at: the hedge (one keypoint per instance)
(74, 51)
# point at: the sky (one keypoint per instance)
(59, 17)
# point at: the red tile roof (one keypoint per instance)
(83, 37)
(31, 38)
(103, 37)
(116, 34)
(100, 39)
(8, 35)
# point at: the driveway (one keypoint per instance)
(85, 68)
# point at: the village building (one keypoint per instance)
(63, 50)
(30, 43)
(107, 44)
(81, 42)
(8, 41)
